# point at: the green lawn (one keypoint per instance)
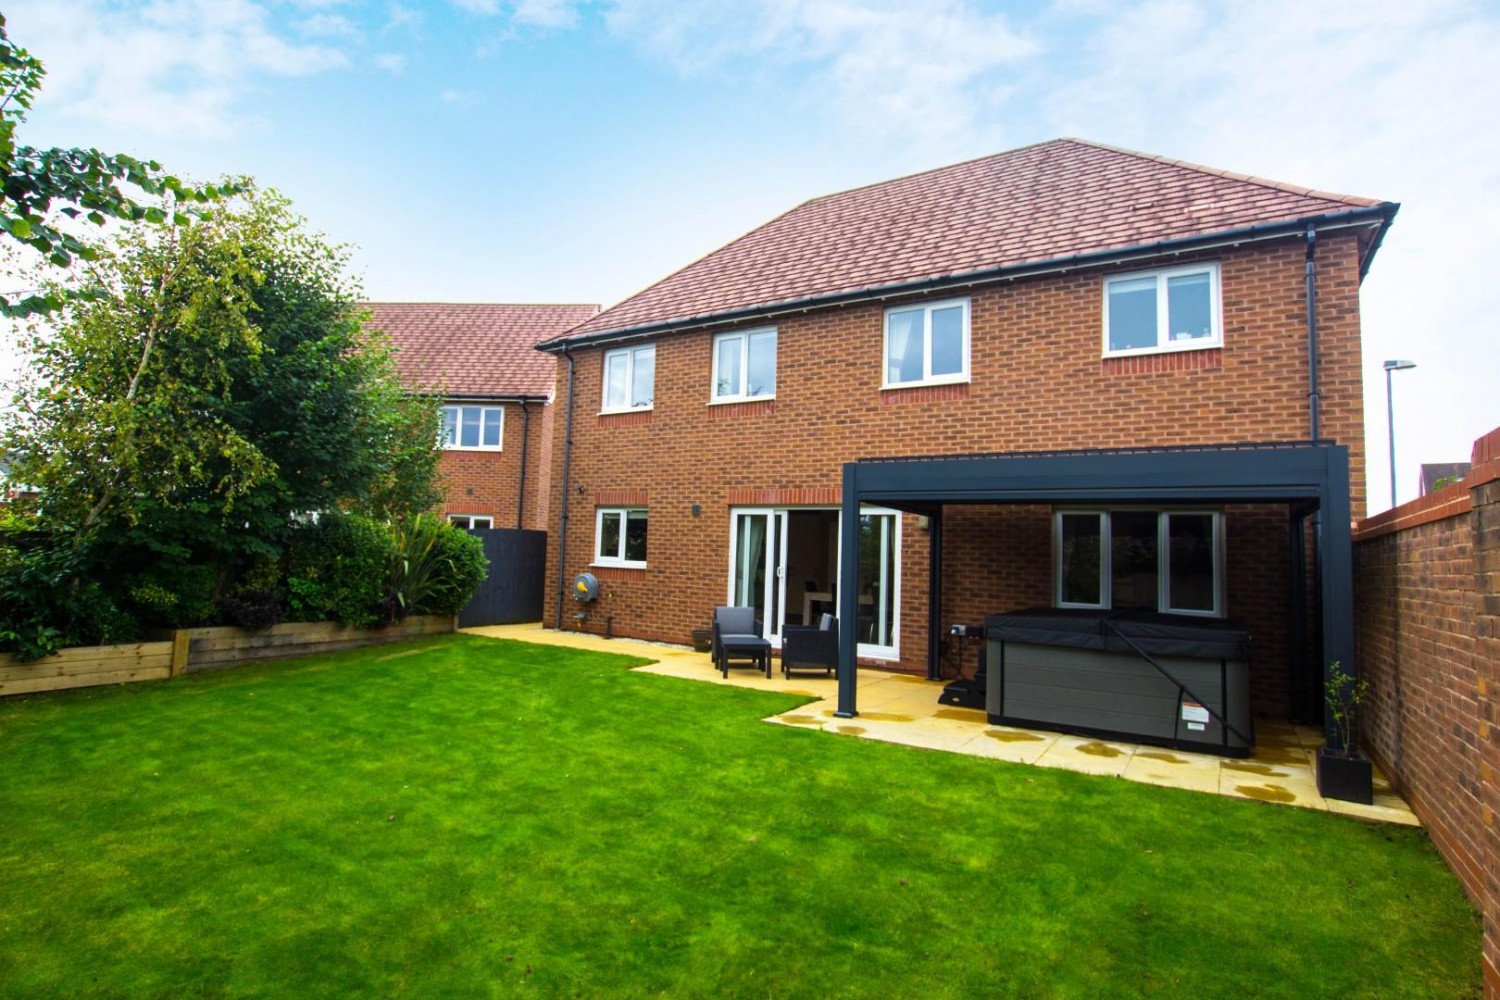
(466, 817)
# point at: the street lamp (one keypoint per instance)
(1390, 416)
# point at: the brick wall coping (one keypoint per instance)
(1450, 501)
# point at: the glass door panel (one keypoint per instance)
(757, 561)
(879, 582)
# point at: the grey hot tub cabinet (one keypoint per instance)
(1075, 671)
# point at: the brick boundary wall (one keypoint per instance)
(1427, 616)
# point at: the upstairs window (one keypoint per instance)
(476, 428)
(1167, 560)
(629, 378)
(1176, 309)
(471, 522)
(620, 537)
(927, 344)
(744, 365)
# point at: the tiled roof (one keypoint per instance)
(1038, 203)
(475, 348)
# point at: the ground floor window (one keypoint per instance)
(620, 537)
(471, 522)
(1168, 560)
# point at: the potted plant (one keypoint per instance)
(1344, 771)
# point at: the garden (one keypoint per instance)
(465, 816)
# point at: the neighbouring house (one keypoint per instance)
(1064, 376)
(497, 399)
(1436, 475)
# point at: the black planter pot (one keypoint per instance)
(1346, 777)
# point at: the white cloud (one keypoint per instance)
(401, 18)
(328, 26)
(391, 62)
(176, 67)
(486, 7)
(923, 69)
(546, 13)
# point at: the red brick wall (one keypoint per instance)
(487, 483)
(1427, 615)
(1037, 382)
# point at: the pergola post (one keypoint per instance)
(935, 594)
(1336, 573)
(848, 595)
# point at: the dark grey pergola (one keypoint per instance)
(1310, 477)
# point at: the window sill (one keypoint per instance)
(624, 410)
(736, 400)
(458, 447)
(925, 383)
(1176, 347)
(615, 564)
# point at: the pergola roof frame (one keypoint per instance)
(1312, 476)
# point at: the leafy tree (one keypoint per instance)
(82, 184)
(219, 386)
(121, 409)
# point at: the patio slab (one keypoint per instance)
(901, 708)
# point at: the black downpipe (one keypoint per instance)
(525, 435)
(562, 528)
(1310, 269)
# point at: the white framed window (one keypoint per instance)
(927, 344)
(629, 378)
(1169, 560)
(744, 365)
(620, 536)
(473, 428)
(471, 522)
(1172, 309)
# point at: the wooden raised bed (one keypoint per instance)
(87, 666)
(197, 649)
(222, 646)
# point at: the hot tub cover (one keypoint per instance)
(1153, 632)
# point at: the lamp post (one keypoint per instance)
(1390, 416)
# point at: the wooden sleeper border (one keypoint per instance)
(187, 651)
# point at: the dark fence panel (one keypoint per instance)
(513, 591)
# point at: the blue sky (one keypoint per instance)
(553, 150)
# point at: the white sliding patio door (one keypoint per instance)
(758, 572)
(757, 561)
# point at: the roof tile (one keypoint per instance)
(485, 349)
(1041, 202)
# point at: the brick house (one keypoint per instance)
(497, 399)
(1067, 303)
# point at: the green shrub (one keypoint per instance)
(338, 568)
(49, 599)
(436, 568)
(174, 595)
(254, 601)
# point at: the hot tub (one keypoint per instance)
(1172, 680)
